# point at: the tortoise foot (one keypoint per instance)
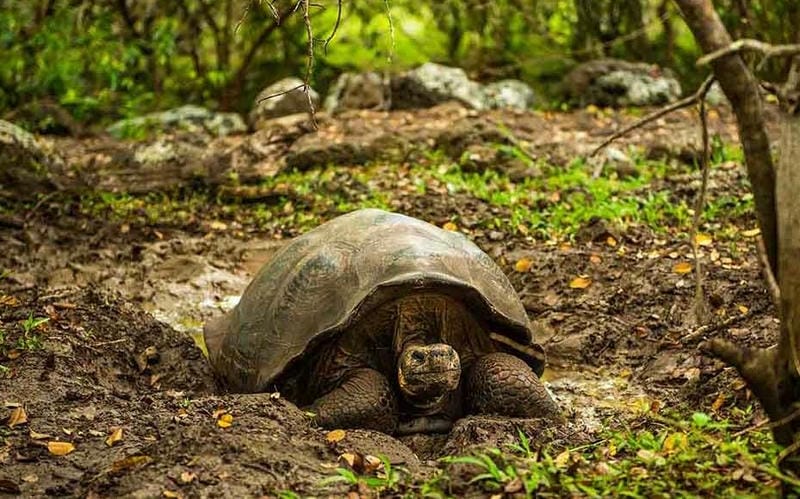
(502, 384)
(364, 400)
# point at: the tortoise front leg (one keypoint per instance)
(502, 384)
(364, 400)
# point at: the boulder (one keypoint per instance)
(432, 84)
(358, 91)
(509, 94)
(282, 98)
(185, 118)
(619, 83)
(28, 166)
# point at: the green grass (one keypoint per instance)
(553, 205)
(661, 457)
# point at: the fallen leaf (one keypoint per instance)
(595, 259)
(38, 436)
(13, 354)
(30, 478)
(96, 433)
(580, 282)
(742, 309)
(17, 417)
(450, 226)
(187, 477)
(562, 459)
(751, 232)
(124, 228)
(592, 109)
(646, 455)
(9, 301)
(522, 229)
(371, 464)
(513, 486)
(129, 463)
(611, 241)
(217, 225)
(523, 265)
(114, 437)
(275, 395)
(60, 448)
(682, 268)
(219, 412)
(718, 402)
(171, 493)
(351, 459)
(702, 239)
(335, 436)
(675, 442)
(225, 421)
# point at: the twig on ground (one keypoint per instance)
(700, 309)
(685, 102)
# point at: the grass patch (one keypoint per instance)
(662, 457)
(553, 205)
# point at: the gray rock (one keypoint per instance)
(432, 84)
(509, 94)
(716, 96)
(618, 83)
(186, 118)
(357, 91)
(28, 166)
(282, 98)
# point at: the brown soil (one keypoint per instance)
(111, 289)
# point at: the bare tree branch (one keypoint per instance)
(769, 51)
(741, 88)
(685, 102)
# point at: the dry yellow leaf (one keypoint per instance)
(522, 229)
(580, 282)
(335, 436)
(611, 241)
(351, 459)
(742, 309)
(523, 265)
(450, 226)
(39, 436)
(172, 493)
(17, 417)
(60, 448)
(187, 477)
(592, 109)
(595, 259)
(703, 239)
(682, 268)
(129, 463)
(562, 459)
(751, 232)
(675, 442)
(225, 421)
(114, 437)
(718, 403)
(9, 301)
(371, 463)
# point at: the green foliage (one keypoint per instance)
(386, 479)
(30, 340)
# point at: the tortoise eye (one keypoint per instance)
(417, 356)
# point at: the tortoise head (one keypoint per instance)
(426, 373)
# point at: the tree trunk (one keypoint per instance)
(772, 374)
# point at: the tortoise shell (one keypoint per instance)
(330, 277)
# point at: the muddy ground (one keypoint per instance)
(124, 299)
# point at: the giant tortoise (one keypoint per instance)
(379, 320)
